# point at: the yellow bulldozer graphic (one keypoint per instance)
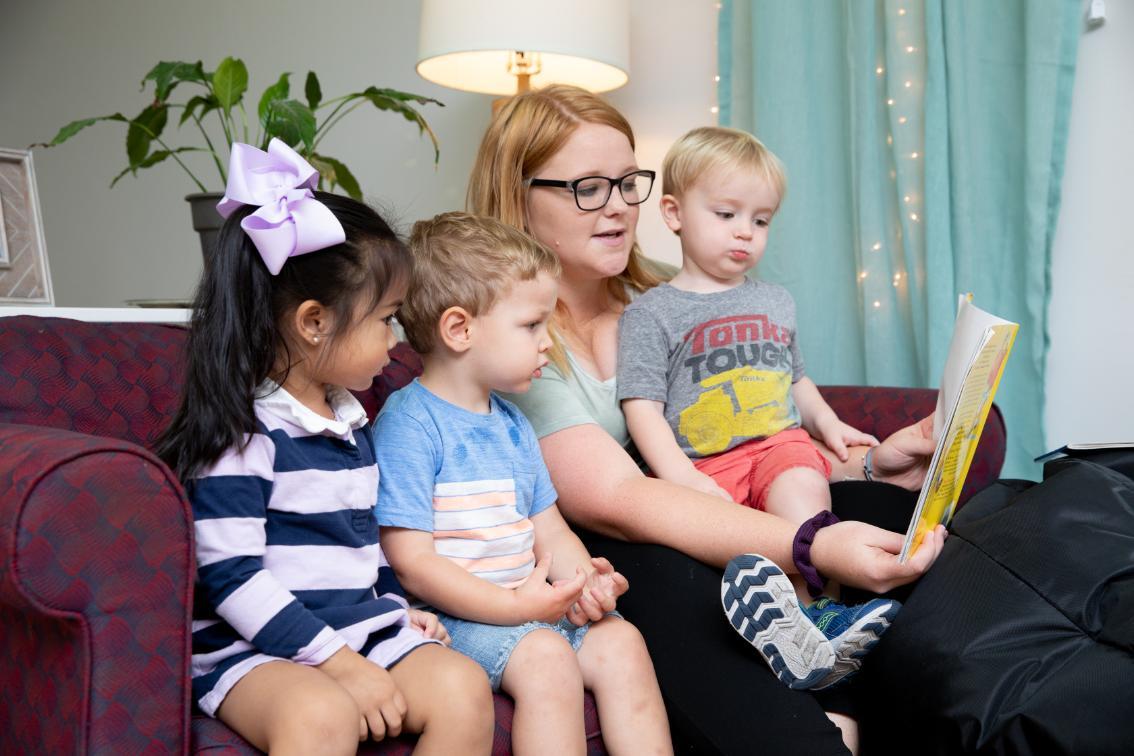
(741, 402)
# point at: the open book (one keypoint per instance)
(977, 353)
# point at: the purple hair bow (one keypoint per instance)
(290, 221)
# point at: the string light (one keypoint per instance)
(879, 70)
(877, 304)
(901, 119)
(910, 49)
(913, 217)
(901, 11)
(909, 84)
(890, 101)
(862, 275)
(877, 246)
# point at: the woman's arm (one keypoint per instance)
(902, 459)
(601, 488)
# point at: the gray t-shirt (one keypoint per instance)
(722, 363)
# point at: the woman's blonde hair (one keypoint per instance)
(523, 136)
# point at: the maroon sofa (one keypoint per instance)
(96, 538)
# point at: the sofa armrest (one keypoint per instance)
(96, 574)
(881, 410)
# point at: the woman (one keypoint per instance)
(671, 542)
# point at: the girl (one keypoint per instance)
(302, 640)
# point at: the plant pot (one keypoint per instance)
(206, 220)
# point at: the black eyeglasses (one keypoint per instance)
(593, 192)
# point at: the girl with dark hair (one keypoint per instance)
(302, 639)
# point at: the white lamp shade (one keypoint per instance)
(466, 44)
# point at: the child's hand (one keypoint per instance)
(837, 435)
(429, 625)
(547, 602)
(382, 705)
(600, 595)
(699, 481)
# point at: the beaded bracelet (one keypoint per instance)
(801, 550)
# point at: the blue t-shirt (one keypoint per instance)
(472, 480)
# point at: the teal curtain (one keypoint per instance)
(924, 143)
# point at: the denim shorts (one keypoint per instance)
(491, 646)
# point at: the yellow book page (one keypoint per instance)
(950, 465)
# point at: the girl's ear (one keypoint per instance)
(313, 322)
(671, 212)
(453, 327)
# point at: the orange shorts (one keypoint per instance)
(747, 471)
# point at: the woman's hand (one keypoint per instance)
(903, 458)
(864, 556)
(381, 703)
(600, 595)
(429, 625)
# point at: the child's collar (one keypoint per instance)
(349, 412)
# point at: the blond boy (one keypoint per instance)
(467, 509)
(712, 383)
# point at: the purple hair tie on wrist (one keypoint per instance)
(801, 550)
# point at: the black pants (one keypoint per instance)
(720, 695)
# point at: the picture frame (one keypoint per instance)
(24, 274)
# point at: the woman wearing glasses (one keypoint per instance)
(559, 163)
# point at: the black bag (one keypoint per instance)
(1020, 639)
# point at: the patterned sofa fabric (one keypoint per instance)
(96, 549)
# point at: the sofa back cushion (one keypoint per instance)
(107, 379)
(121, 380)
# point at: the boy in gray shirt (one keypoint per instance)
(711, 381)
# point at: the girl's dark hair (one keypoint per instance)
(237, 335)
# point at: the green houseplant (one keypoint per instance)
(219, 98)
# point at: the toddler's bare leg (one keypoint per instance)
(797, 495)
(616, 667)
(544, 679)
(448, 701)
(285, 708)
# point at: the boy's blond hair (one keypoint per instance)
(710, 148)
(468, 261)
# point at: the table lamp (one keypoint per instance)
(505, 47)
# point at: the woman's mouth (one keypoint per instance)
(611, 238)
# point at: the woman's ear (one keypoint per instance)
(313, 323)
(453, 327)
(671, 212)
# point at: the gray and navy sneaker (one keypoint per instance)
(852, 631)
(760, 602)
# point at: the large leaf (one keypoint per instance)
(334, 172)
(152, 159)
(230, 81)
(168, 74)
(395, 94)
(75, 127)
(144, 128)
(395, 101)
(275, 93)
(313, 91)
(205, 103)
(291, 121)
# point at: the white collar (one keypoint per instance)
(349, 412)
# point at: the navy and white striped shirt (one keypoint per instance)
(288, 559)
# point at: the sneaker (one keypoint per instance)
(852, 631)
(761, 604)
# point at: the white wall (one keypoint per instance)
(1090, 367)
(62, 60)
